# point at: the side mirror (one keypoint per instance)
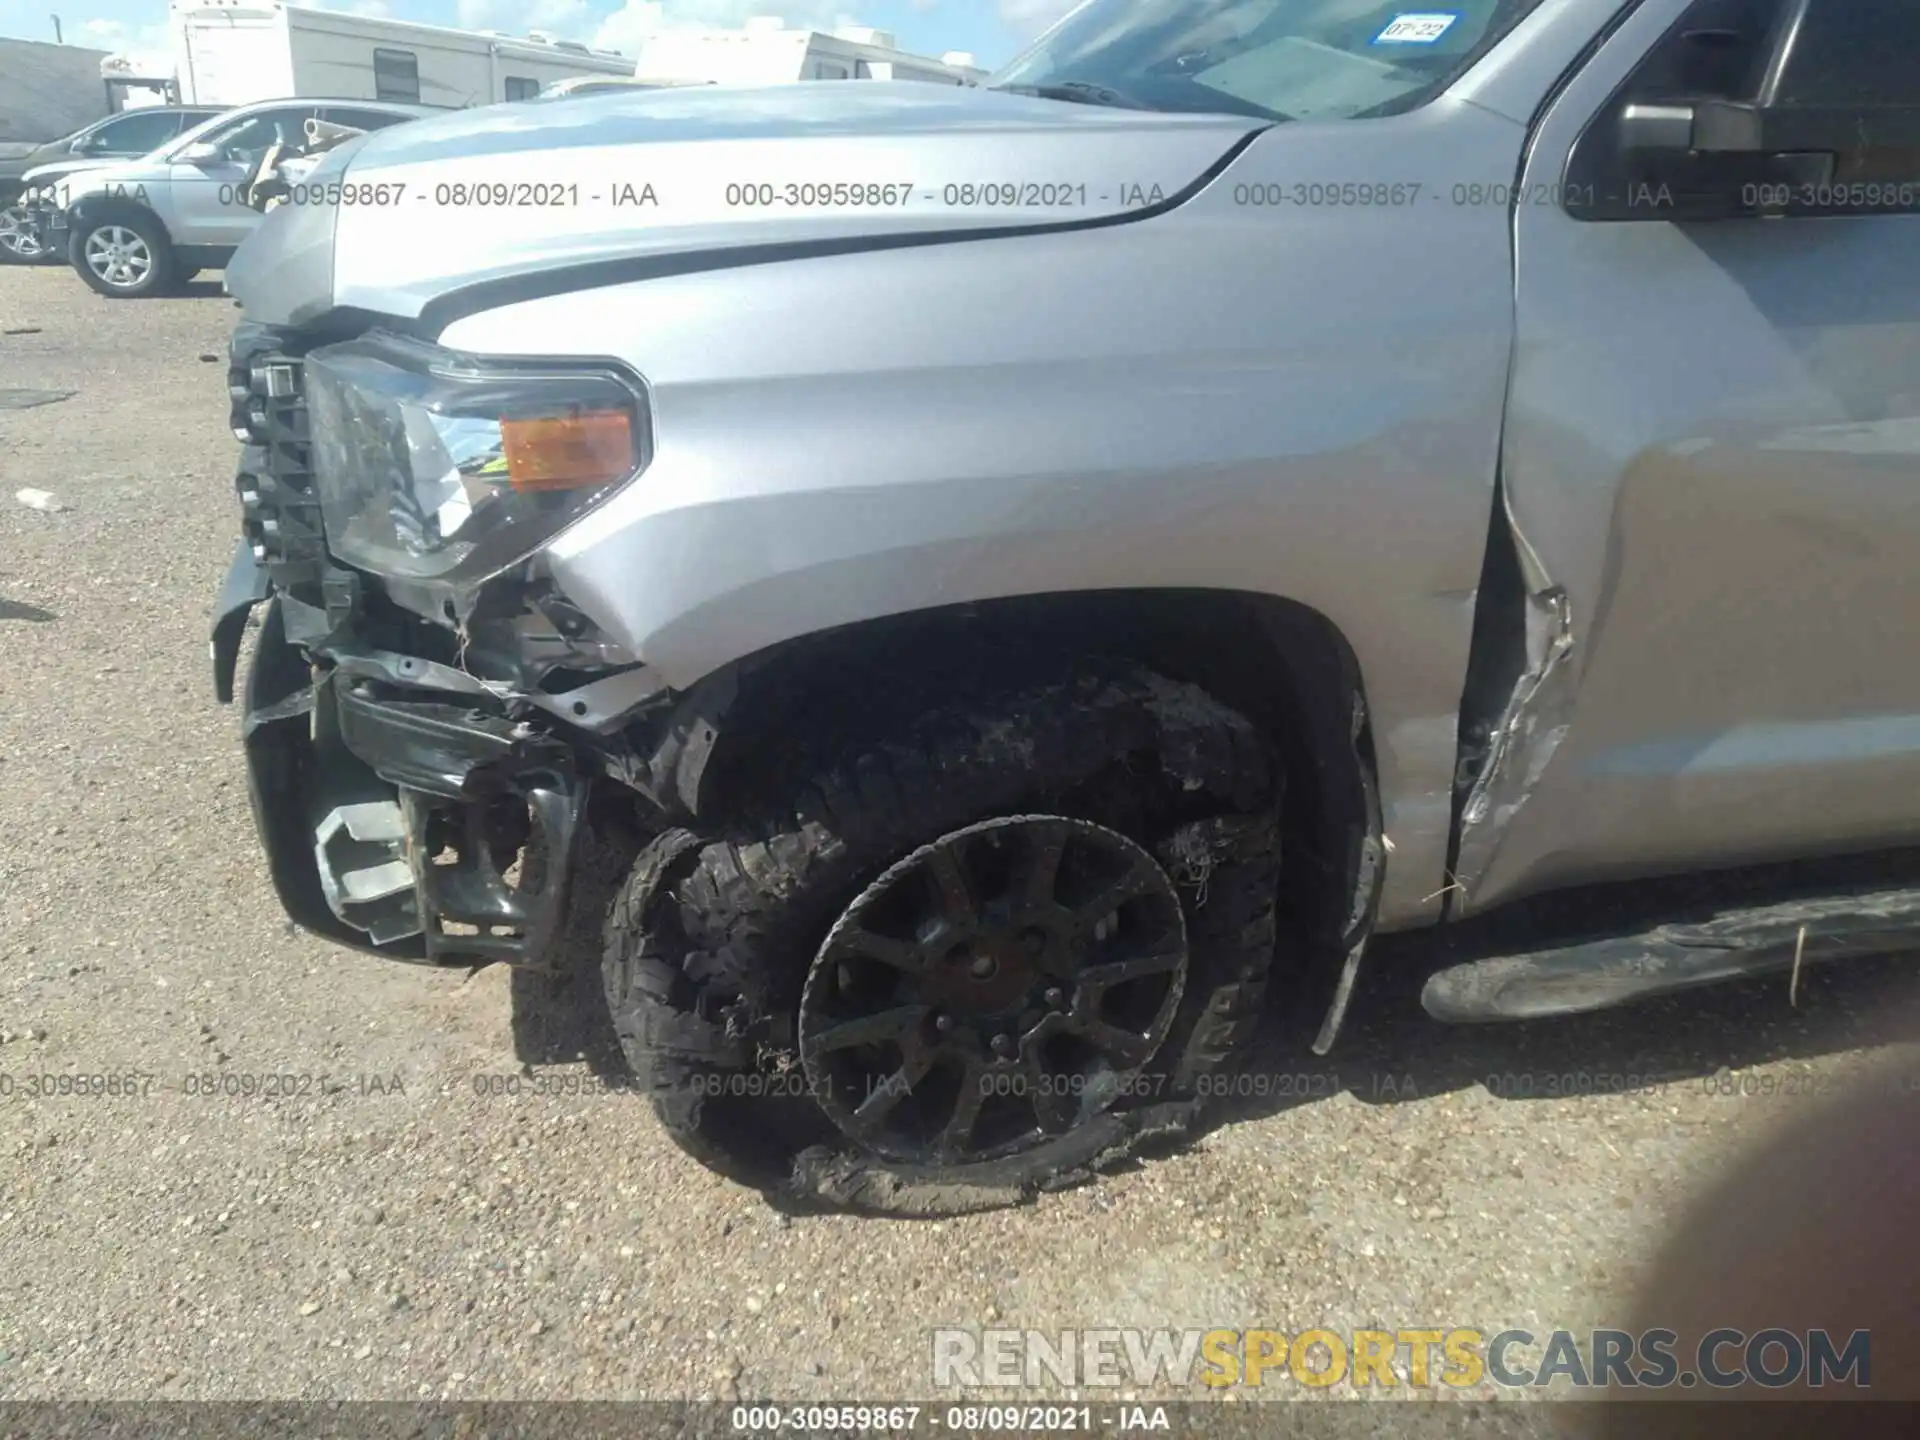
(1721, 159)
(1830, 127)
(1727, 127)
(1657, 129)
(200, 153)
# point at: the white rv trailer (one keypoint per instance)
(765, 52)
(232, 52)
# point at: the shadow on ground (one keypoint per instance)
(19, 610)
(1391, 1052)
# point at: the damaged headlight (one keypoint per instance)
(437, 467)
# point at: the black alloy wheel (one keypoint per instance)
(993, 990)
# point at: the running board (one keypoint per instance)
(1731, 945)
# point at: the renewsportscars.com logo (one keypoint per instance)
(1418, 1358)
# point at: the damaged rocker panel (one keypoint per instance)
(1733, 944)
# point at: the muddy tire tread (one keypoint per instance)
(708, 942)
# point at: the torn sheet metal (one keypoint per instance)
(1531, 728)
(1368, 870)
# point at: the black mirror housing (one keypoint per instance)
(1726, 127)
(1827, 124)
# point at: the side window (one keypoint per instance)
(1719, 49)
(827, 70)
(247, 140)
(396, 76)
(1850, 52)
(134, 134)
(519, 87)
(1760, 107)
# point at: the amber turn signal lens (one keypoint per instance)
(568, 452)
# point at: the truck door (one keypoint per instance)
(1712, 457)
(205, 197)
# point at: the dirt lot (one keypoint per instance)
(397, 1230)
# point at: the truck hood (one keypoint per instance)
(504, 192)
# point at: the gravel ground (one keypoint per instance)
(394, 1233)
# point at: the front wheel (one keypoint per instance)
(123, 258)
(19, 245)
(985, 957)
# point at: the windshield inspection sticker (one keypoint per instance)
(1421, 29)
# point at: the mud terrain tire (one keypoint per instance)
(709, 942)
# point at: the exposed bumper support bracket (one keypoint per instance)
(517, 923)
(422, 848)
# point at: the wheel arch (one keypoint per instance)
(1283, 664)
(99, 209)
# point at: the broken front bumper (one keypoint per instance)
(394, 823)
(48, 225)
(418, 791)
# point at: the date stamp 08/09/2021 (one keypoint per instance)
(1247, 1085)
(663, 199)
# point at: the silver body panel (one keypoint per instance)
(650, 173)
(1709, 435)
(1212, 397)
(1713, 449)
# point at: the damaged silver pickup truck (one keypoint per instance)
(977, 594)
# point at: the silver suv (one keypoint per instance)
(964, 599)
(105, 142)
(143, 227)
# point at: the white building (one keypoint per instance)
(765, 52)
(230, 52)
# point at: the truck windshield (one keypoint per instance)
(1275, 59)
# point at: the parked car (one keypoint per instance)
(140, 228)
(981, 593)
(117, 137)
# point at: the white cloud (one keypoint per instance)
(1027, 18)
(567, 19)
(149, 47)
(627, 29)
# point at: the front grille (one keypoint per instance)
(280, 513)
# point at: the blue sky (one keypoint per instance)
(992, 29)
